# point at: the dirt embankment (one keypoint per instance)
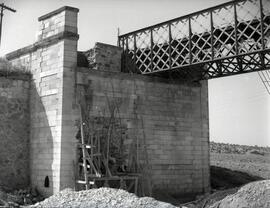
(234, 168)
(223, 178)
(252, 160)
(252, 195)
(252, 164)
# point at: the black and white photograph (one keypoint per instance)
(134, 104)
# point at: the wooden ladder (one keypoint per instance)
(90, 150)
(93, 161)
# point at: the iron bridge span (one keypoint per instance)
(231, 38)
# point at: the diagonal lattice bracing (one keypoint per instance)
(200, 38)
(250, 62)
(248, 27)
(228, 39)
(179, 43)
(223, 31)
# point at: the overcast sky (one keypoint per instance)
(239, 105)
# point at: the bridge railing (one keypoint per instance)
(215, 38)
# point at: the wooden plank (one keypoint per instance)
(136, 186)
(83, 182)
(87, 146)
(83, 150)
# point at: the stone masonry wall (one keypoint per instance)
(172, 119)
(14, 132)
(104, 57)
(52, 61)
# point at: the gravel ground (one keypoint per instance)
(252, 195)
(99, 198)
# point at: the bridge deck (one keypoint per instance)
(228, 39)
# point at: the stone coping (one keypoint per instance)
(64, 8)
(108, 45)
(42, 43)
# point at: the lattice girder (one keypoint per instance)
(228, 39)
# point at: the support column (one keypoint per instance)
(63, 22)
(52, 61)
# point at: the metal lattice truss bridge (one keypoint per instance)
(228, 39)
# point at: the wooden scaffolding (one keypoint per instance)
(94, 152)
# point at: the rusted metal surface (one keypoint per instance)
(228, 39)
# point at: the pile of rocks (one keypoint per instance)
(99, 198)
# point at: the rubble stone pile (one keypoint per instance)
(99, 198)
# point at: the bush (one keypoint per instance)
(7, 69)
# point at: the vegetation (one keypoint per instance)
(237, 149)
(7, 69)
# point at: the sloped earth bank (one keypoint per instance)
(224, 182)
(249, 163)
(252, 195)
(223, 178)
(99, 198)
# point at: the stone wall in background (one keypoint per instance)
(14, 132)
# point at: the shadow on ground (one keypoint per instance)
(223, 182)
(223, 178)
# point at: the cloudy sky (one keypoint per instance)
(239, 105)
